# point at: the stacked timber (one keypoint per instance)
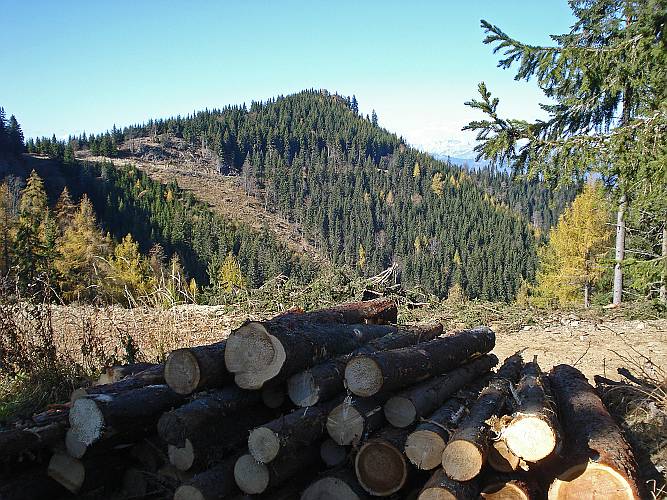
(339, 403)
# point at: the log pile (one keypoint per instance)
(340, 403)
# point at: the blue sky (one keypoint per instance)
(71, 66)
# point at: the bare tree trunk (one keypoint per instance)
(663, 285)
(620, 251)
(587, 294)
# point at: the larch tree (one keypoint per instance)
(605, 80)
(130, 273)
(570, 262)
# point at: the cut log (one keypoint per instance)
(336, 485)
(276, 349)
(215, 483)
(139, 483)
(440, 487)
(203, 413)
(15, 442)
(332, 454)
(274, 395)
(509, 487)
(32, 485)
(467, 450)
(138, 408)
(215, 443)
(150, 376)
(150, 453)
(355, 418)
(533, 431)
(326, 380)
(370, 374)
(380, 465)
(290, 432)
(410, 405)
(597, 460)
(196, 368)
(501, 459)
(253, 477)
(116, 373)
(81, 476)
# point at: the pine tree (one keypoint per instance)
(571, 262)
(15, 136)
(130, 274)
(7, 229)
(374, 119)
(607, 78)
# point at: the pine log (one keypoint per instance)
(215, 483)
(379, 311)
(31, 485)
(290, 432)
(340, 484)
(137, 408)
(253, 477)
(509, 487)
(501, 459)
(597, 460)
(19, 441)
(426, 443)
(325, 380)
(116, 373)
(468, 448)
(150, 376)
(380, 465)
(276, 349)
(81, 476)
(274, 395)
(533, 432)
(332, 454)
(290, 491)
(204, 412)
(110, 440)
(414, 403)
(389, 370)
(215, 443)
(355, 418)
(441, 487)
(196, 368)
(150, 453)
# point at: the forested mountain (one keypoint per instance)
(360, 193)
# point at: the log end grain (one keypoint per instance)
(181, 457)
(330, 488)
(67, 471)
(591, 480)
(424, 449)
(263, 444)
(188, 492)
(86, 420)
(182, 372)
(400, 411)
(505, 491)
(75, 448)
(302, 390)
(440, 487)
(462, 460)
(251, 476)
(380, 468)
(345, 424)
(249, 348)
(363, 376)
(530, 438)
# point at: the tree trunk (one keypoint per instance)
(509, 487)
(533, 432)
(380, 465)
(587, 294)
(212, 484)
(663, 275)
(253, 477)
(426, 443)
(597, 460)
(340, 485)
(82, 476)
(501, 459)
(440, 487)
(385, 371)
(332, 454)
(15, 442)
(620, 251)
(288, 433)
(204, 412)
(150, 376)
(468, 448)
(138, 408)
(324, 381)
(355, 418)
(416, 402)
(273, 350)
(117, 373)
(196, 368)
(109, 440)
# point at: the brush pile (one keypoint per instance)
(339, 403)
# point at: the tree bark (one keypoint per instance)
(119, 372)
(620, 251)
(273, 350)
(326, 380)
(150, 376)
(501, 459)
(204, 412)
(215, 483)
(254, 478)
(290, 432)
(596, 460)
(440, 487)
(380, 465)
(468, 448)
(340, 485)
(81, 476)
(385, 371)
(355, 418)
(332, 454)
(16, 442)
(137, 408)
(533, 431)
(410, 405)
(196, 368)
